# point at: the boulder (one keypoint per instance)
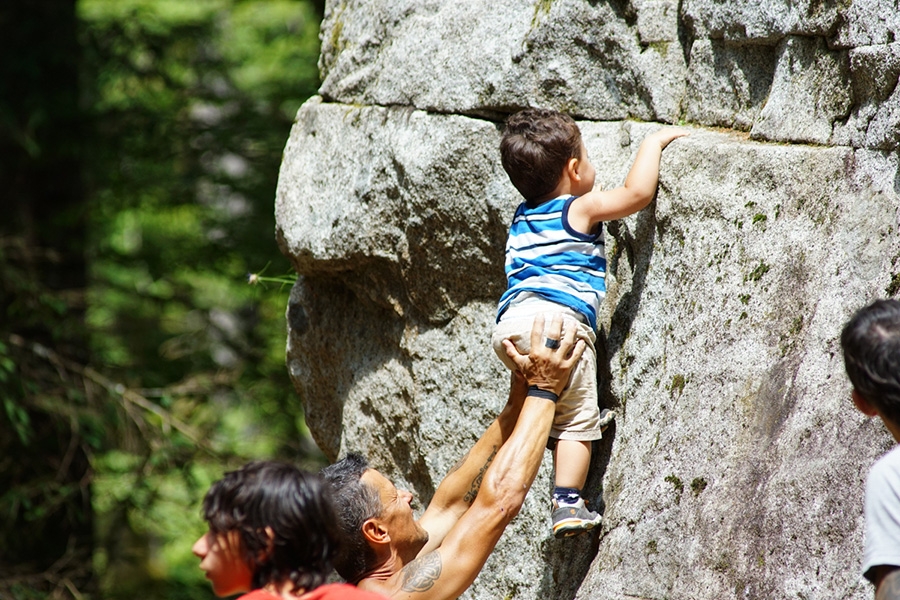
(737, 462)
(780, 68)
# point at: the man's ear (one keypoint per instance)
(864, 406)
(373, 530)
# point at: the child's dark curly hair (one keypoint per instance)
(537, 143)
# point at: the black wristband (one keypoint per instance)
(537, 392)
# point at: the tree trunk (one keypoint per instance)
(44, 473)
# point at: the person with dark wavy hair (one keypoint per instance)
(871, 345)
(272, 532)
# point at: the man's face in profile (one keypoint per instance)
(397, 514)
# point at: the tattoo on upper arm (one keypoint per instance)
(476, 483)
(889, 588)
(420, 574)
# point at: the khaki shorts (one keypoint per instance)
(577, 411)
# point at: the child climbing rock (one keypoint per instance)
(555, 263)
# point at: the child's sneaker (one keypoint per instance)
(606, 417)
(573, 519)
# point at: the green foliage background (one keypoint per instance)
(167, 368)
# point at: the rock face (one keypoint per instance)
(736, 466)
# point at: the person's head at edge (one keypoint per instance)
(370, 502)
(871, 346)
(271, 525)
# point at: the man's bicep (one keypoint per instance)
(437, 523)
(887, 582)
(460, 487)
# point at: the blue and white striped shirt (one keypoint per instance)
(547, 257)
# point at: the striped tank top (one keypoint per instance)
(546, 257)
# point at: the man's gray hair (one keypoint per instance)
(355, 503)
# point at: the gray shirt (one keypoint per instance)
(882, 545)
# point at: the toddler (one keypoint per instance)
(555, 263)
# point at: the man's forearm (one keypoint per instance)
(547, 368)
(464, 480)
(509, 416)
(467, 537)
(516, 465)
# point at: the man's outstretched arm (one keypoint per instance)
(458, 490)
(446, 572)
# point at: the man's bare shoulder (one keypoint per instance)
(421, 573)
(379, 585)
(340, 591)
(417, 577)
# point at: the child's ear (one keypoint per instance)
(571, 170)
(232, 543)
(863, 405)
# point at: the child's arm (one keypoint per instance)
(635, 194)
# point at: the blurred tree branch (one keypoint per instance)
(117, 391)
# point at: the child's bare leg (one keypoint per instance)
(571, 460)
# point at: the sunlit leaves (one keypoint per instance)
(274, 45)
(192, 103)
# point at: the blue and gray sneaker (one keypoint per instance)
(573, 519)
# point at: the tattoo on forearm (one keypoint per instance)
(476, 483)
(420, 574)
(889, 588)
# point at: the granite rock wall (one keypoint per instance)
(737, 464)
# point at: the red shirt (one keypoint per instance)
(331, 591)
(341, 591)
